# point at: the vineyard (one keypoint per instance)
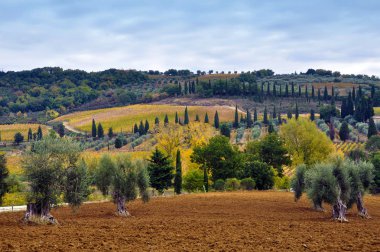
(346, 147)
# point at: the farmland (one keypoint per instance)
(123, 118)
(239, 221)
(346, 147)
(8, 131)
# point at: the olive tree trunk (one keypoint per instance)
(317, 205)
(363, 212)
(39, 213)
(120, 204)
(339, 210)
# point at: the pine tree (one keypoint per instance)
(93, 129)
(39, 133)
(187, 120)
(297, 113)
(30, 135)
(312, 115)
(236, 121)
(166, 120)
(249, 119)
(135, 129)
(372, 131)
(274, 115)
(255, 115)
(61, 131)
(110, 132)
(160, 171)
(176, 120)
(100, 131)
(146, 126)
(344, 132)
(206, 118)
(178, 174)
(216, 120)
(265, 120)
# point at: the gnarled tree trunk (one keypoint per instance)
(39, 213)
(339, 210)
(120, 203)
(360, 205)
(317, 205)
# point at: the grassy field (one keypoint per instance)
(8, 131)
(123, 118)
(377, 110)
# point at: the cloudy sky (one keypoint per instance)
(284, 35)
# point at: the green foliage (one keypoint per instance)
(206, 118)
(178, 174)
(376, 164)
(4, 173)
(166, 120)
(372, 131)
(110, 132)
(193, 181)
(328, 111)
(18, 138)
(186, 120)
(373, 144)
(77, 185)
(236, 121)
(261, 173)
(93, 128)
(103, 174)
(225, 130)
(39, 133)
(219, 185)
(344, 131)
(298, 181)
(232, 184)
(100, 131)
(216, 120)
(247, 184)
(61, 130)
(160, 171)
(282, 183)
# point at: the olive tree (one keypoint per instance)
(51, 168)
(121, 178)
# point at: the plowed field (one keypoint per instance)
(242, 221)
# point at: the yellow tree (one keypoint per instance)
(305, 142)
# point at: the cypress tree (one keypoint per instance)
(236, 121)
(110, 132)
(325, 94)
(146, 126)
(249, 119)
(135, 129)
(186, 121)
(319, 94)
(179, 89)
(100, 131)
(350, 105)
(197, 118)
(216, 120)
(141, 129)
(289, 114)
(286, 90)
(39, 133)
(299, 91)
(353, 94)
(306, 92)
(274, 115)
(331, 131)
(312, 115)
(61, 131)
(166, 120)
(270, 128)
(93, 129)
(30, 135)
(255, 115)
(372, 131)
(205, 179)
(360, 93)
(343, 109)
(118, 143)
(225, 130)
(297, 113)
(332, 92)
(274, 90)
(279, 118)
(178, 174)
(265, 120)
(186, 88)
(176, 120)
(156, 121)
(268, 89)
(242, 119)
(280, 94)
(312, 92)
(344, 132)
(292, 89)
(206, 118)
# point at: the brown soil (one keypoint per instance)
(242, 221)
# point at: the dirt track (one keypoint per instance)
(252, 221)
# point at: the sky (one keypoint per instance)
(283, 35)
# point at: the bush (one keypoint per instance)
(282, 183)
(247, 184)
(219, 185)
(232, 184)
(261, 173)
(193, 181)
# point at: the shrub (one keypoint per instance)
(193, 181)
(232, 184)
(247, 184)
(282, 183)
(219, 185)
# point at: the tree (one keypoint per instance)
(39, 133)
(176, 120)
(225, 130)
(30, 135)
(236, 121)
(289, 114)
(135, 129)
(100, 131)
(118, 143)
(376, 164)
(110, 132)
(4, 173)
(157, 121)
(166, 120)
(262, 174)
(373, 144)
(186, 120)
(197, 118)
(255, 115)
(76, 185)
(160, 171)
(372, 131)
(265, 120)
(178, 174)
(328, 111)
(344, 131)
(61, 130)
(274, 115)
(206, 118)
(312, 115)
(122, 178)
(325, 94)
(297, 113)
(216, 120)
(46, 168)
(146, 127)
(279, 119)
(93, 129)
(141, 129)
(249, 119)
(18, 138)
(305, 142)
(331, 130)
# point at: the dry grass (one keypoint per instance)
(123, 118)
(218, 76)
(8, 131)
